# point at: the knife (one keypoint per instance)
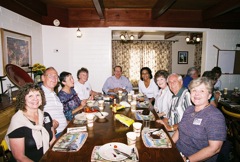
(123, 153)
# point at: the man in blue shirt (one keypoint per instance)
(117, 82)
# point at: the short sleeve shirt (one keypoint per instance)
(208, 124)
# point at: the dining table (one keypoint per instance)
(111, 130)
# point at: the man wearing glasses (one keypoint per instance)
(53, 105)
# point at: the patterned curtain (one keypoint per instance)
(133, 56)
(198, 56)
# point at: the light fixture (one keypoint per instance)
(198, 39)
(79, 33)
(125, 37)
(193, 38)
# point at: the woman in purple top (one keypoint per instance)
(68, 96)
(202, 130)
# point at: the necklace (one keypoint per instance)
(196, 112)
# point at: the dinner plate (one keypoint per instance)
(107, 151)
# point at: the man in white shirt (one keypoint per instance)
(53, 105)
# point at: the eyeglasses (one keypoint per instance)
(52, 76)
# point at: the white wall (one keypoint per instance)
(181, 45)
(17, 23)
(92, 51)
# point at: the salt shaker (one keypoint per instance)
(9, 91)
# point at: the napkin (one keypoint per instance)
(140, 116)
(162, 142)
(95, 157)
(118, 106)
(125, 104)
(70, 142)
(77, 129)
(124, 119)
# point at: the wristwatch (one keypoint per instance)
(187, 159)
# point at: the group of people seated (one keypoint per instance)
(185, 109)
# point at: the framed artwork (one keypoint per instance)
(182, 57)
(16, 49)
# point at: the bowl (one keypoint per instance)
(101, 116)
(91, 103)
(81, 116)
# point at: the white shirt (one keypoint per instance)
(55, 108)
(150, 91)
(83, 90)
(218, 84)
(163, 101)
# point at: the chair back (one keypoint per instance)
(17, 75)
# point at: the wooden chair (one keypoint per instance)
(233, 126)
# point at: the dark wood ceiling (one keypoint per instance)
(216, 14)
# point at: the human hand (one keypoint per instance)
(83, 102)
(55, 124)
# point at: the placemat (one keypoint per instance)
(140, 116)
(150, 139)
(70, 142)
(95, 157)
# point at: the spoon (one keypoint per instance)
(100, 112)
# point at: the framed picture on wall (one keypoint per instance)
(16, 49)
(182, 57)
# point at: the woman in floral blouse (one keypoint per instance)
(68, 96)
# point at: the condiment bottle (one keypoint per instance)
(114, 108)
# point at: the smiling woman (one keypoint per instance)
(30, 127)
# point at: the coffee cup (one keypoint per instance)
(137, 128)
(131, 138)
(90, 118)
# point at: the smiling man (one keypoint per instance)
(180, 101)
(117, 82)
(53, 105)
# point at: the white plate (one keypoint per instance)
(106, 151)
(81, 116)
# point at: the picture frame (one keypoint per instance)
(16, 49)
(182, 57)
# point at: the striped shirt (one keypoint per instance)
(180, 103)
(55, 108)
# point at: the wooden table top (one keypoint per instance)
(112, 130)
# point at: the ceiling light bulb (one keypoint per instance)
(187, 39)
(79, 33)
(131, 37)
(198, 39)
(122, 37)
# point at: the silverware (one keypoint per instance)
(98, 110)
(135, 153)
(123, 153)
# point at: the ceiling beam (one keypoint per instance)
(169, 35)
(99, 7)
(220, 9)
(34, 6)
(140, 35)
(160, 7)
